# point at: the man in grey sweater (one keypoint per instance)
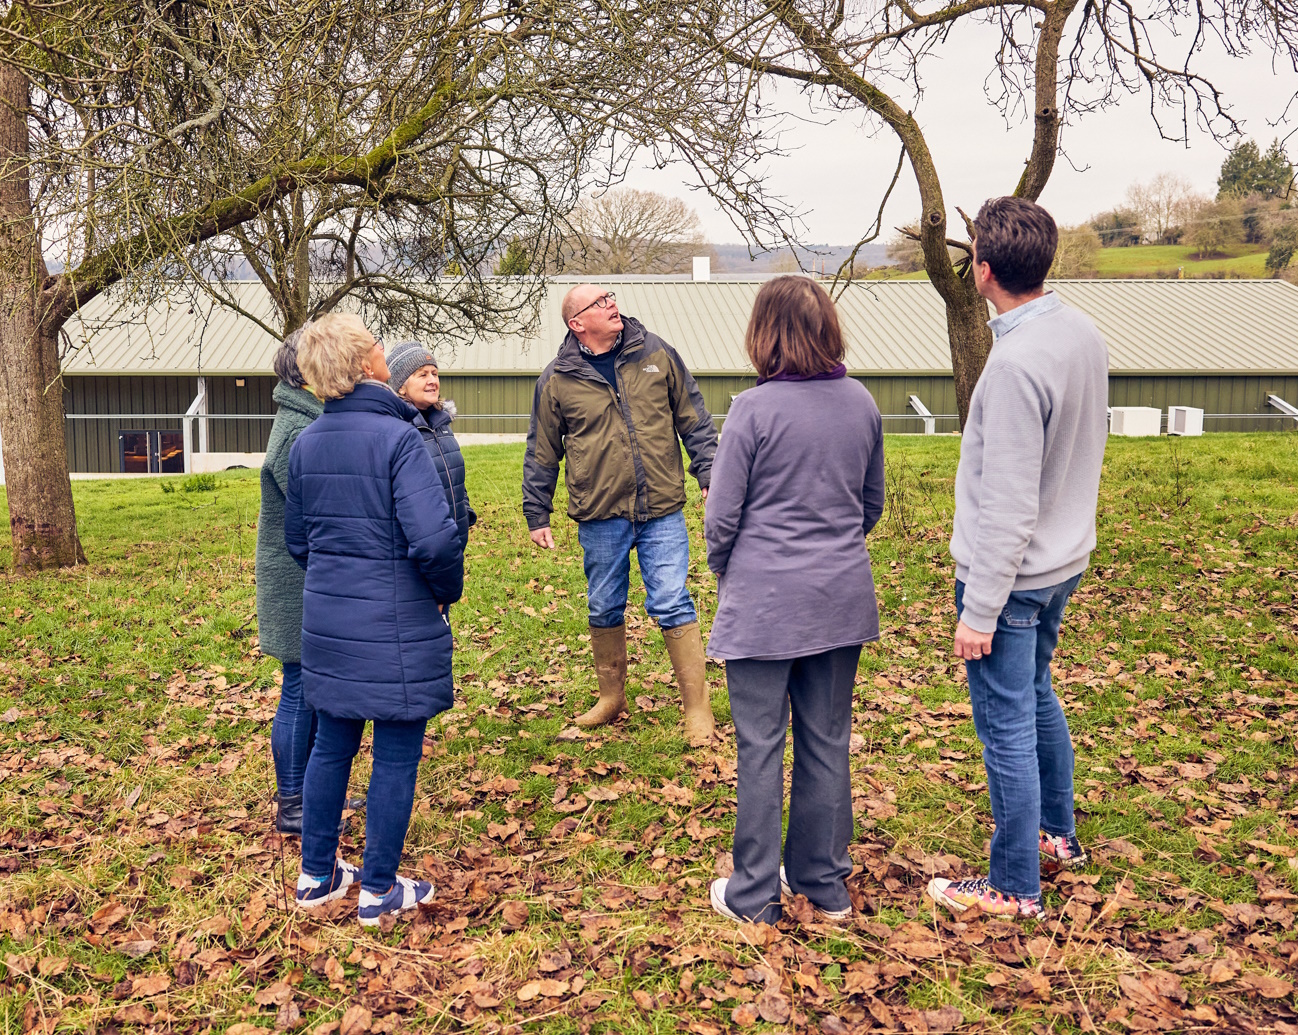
(1026, 492)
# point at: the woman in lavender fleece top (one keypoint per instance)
(797, 483)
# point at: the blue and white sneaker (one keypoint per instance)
(404, 894)
(316, 891)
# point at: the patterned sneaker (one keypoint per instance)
(825, 914)
(404, 894)
(316, 891)
(1063, 849)
(960, 896)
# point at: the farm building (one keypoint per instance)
(1227, 347)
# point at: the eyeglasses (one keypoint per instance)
(378, 344)
(602, 302)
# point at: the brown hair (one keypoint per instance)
(1017, 238)
(794, 329)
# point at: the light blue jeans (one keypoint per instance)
(663, 548)
(1027, 747)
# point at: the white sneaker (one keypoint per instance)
(316, 891)
(718, 895)
(827, 914)
(403, 895)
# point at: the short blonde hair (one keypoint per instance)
(331, 352)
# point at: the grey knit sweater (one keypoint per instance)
(1030, 458)
(279, 579)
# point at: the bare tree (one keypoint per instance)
(1164, 206)
(341, 146)
(631, 231)
(1077, 254)
(1052, 58)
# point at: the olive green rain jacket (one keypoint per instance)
(620, 443)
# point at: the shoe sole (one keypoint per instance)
(374, 921)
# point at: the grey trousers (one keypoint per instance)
(819, 689)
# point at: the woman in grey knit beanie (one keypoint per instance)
(414, 376)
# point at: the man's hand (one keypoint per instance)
(705, 493)
(543, 538)
(971, 645)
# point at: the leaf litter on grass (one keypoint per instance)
(142, 887)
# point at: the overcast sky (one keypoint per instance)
(837, 171)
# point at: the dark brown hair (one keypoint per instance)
(1017, 239)
(794, 329)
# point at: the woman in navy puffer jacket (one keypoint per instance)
(366, 517)
(413, 375)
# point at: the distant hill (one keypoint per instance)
(734, 258)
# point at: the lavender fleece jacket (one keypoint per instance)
(1029, 474)
(797, 482)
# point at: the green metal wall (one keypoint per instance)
(1222, 395)
(500, 404)
(496, 405)
(485, 404)
(93, 444)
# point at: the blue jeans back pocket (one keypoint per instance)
(1020, 614)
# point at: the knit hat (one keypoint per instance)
(404, 359)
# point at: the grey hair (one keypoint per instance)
(285, 362)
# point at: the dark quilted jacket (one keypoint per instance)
(435, 427)
(367, 517)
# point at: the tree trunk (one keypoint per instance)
(42, 519)
(971, 340)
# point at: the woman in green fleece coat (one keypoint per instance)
(279, 588)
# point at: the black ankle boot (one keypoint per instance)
(288, 816)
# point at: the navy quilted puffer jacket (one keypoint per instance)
(435, 427)
(366, 517)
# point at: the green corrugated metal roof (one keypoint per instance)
(1151, 326)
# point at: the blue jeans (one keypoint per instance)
(398, 746)
(663, 548)
(291, 733)
(1027, 748)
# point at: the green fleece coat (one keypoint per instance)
(279, 579)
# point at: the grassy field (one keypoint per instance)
(141, 887)
(1149, 260)
(1153, 260)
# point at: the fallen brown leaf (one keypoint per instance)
(1267, 985)
(356, 1020)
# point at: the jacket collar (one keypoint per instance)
(571, 360)
(289, 398)
(373, 397)
(432, 419)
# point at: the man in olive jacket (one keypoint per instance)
(611, 405)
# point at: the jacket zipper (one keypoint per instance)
(450, 482)
(642, 506)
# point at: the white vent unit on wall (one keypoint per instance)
(1184, 420)
(1135, 421)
